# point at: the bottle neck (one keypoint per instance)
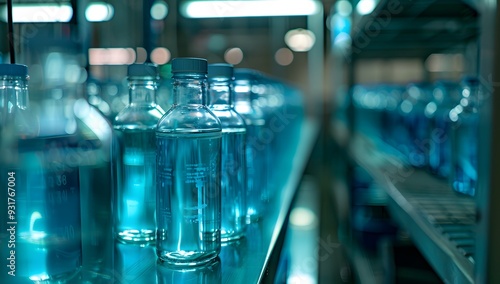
(242, 92)
(13, 94)
(190, 89)
(221, 93)
(142, 92)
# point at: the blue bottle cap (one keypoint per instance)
(189, 65)
(18, 70)
(220, 70)
(143, 70)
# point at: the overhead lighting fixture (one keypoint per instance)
(38, 13)
(159, 10)
(300, 40)
(365, 7)
(99, 12)
(256, 8)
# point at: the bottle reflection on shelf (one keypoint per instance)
(209, 273)
(133, 263)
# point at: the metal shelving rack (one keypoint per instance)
(457, 235)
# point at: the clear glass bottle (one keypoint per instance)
(445, 97)
(42, 199)
(233, 164)
(464, 134)
(134, 157)
(188, 147)
(257, 145)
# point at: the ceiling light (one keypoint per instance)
(258, 8)
(99, 12)
(38, 13)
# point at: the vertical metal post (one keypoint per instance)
(488, 230)
(315, 60)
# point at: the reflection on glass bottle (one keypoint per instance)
(445, 97)
(134, 158)
(134, 264)
(42, 198)
(188, 141)
(465, 133)
(209, 273)
(233, 165)
(257, 145)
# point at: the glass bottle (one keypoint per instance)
(188, 147)
(134, 157)
(233, 164)
(412, 108)
(42, 199)
(257, 145)
(464, 133)
(445, 97)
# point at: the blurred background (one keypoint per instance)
(368, 73)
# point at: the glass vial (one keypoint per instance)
(188, 147)
(257, 146)
(233, 164)
(464, 133)
(134, 157)
(42, 240)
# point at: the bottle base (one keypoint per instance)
(136, 236)
(183, 259)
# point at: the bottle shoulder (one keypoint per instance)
(229, 118)
(138, 116)
(189, 118)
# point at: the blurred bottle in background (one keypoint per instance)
(40, 167)
(444, 98)
(369, 102)
(257, 146)
(464, 134)
(412, 110)
(134, 158)
(188, 140)
(233, 164)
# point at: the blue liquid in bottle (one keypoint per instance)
(233, 175)
(134, 158)
(188, 143)
(257, 147)
(136, 199)
(465, 133)
(42, 198)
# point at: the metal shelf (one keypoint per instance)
(414, 28)
(442, 224)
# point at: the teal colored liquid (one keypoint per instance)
(257, 155)
(44, 227)
(466, 150)
(188, 197)
(136, 185)
(233, 183)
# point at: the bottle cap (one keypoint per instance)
(143, 70)
(189, 65)
(220, 70)
(13, 70)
